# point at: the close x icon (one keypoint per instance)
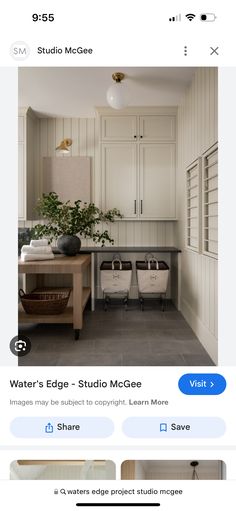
(214, 50)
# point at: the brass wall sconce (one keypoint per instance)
(64, 145)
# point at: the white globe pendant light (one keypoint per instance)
(117, 94)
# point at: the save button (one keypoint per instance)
(202, 384)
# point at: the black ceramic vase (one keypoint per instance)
(69, 245)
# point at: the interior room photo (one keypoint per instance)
(173, 469)
(63, 470)
(118, 216)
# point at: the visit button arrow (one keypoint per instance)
(202, 384)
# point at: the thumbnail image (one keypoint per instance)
(173, 469)
(63, 469)
(118, 216)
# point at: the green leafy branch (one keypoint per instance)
(73, 219)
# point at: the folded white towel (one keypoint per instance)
(36, 257)
(39, 243)
(27, 249)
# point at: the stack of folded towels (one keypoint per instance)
(38, 250)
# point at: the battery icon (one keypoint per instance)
(208, 16)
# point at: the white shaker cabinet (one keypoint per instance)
(138, 162)
(120, 187)
(145, 191)
(156, 128)
(28, 174)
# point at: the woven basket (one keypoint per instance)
(44, 302)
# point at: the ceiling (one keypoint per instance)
(75, 91)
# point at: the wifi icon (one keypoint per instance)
(190, 17)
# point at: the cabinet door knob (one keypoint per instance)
(141, 136)
(135, 136)
(141, 209)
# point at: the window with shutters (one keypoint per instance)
(193, 205)
(210, 202)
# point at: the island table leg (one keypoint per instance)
(77, 303)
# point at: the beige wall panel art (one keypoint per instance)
(68, 177)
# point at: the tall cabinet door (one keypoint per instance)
(119, 178)
(157, 181)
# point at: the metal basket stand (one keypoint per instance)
(107, 300)
(163, 301)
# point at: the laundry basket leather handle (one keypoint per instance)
(153, 260)
(116, 259)
(150, 258)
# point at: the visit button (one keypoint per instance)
(202, 384)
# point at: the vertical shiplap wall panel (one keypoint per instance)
(59, 135)
(52, 141)
(67, 131)
(197, 131)
(122, 236)
(130, 235)
(83, 137)
(75, 137)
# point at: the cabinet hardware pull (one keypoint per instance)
(135, 136)
(141, 206)
(135, 209)
(141, 136)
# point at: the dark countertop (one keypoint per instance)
(112, 248)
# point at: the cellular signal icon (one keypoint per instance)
(190, 17)
(175, 18)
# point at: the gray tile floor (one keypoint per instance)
(118, 338)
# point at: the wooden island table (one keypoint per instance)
(60, 265)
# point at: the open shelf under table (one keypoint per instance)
(65, 317)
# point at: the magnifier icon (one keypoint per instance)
(63, 491)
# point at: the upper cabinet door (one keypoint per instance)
(157, 128)
(157, 181)
(120, 178)
(119, 127)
